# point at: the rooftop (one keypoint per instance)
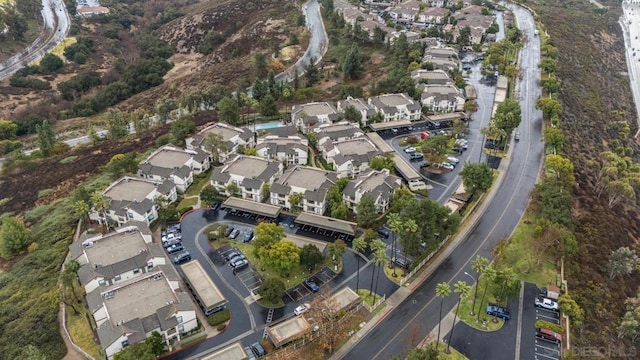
(168, 158)
(394, 99)
(379, 142)
(203, 285)
(114, 247)
(346, 227)
(252, 207)
(226, 131)
(316, 109)
(130, 188)
(231, 352)
(304, 177)
(359, 146)
(389, 125)
(138, 299)
(247, 166)
(407, 171)
(342, 299)
(288, 330)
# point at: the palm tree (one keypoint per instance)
(380, 258)
(359, 245)
(101, 204)
(507, 276)
(375, 246)
(442, 291)
(81, 209)
(395, 224)
(478, 265)
(489, 274)
(462, 289)
(409, 227)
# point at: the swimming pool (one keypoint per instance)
(271, 125)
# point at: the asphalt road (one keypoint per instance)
(56, 25)
(317, 41)
(413, 319)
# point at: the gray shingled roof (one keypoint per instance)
(218, 176)
(183, 172)
(143, 206)
(280, 189)
(148, 169)
(138, 261)
(166, 187)
(280, 131)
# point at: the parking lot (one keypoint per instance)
(531, 346)
(249, 276)
(326, 234)
(321, 278)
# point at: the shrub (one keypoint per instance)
(548, 325)
(221, 327)
(219, 318)
(183, 210)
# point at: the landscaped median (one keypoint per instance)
(478, 318)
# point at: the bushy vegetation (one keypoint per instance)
(219, 317)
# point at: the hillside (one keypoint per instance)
(595, 92)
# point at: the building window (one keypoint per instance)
(125, 343)
(149, 265)
(136, 271)
(101, 282)
(117, 278)
(179, 319)
(180, 329)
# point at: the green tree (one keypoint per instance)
(359, 246)
(426, 353)
(489, 277)
(366, 211)
(268, 106)
(137, 351)
(164, 106)
(352, 64)
(476, 177)
(310, 256)
(228, 111)
(311, 73)
(570, 307)
(551, 85)
(101, 204)
(155, 343)
(336, 250)
(259, 89)
(464, 36)
(380, 258)
(210, 195)
(554, 137)
(14, 237)
(560, 170)
(117, 124)
(622, 261)
(549, 106)
(81, 208)
(462, 289)
(382, 162)
(260, 63)
(46, 137)
(31, 352)
(267, 235)
(50, 63)
(216, 146)
(352, 114)
(282, 256)
(272, 289)
(265, 192)
(443, 290)
(340, 211)
(295, 202)
(508, 115)
(233, 189)
(180, 129)
(436, 148)
(121, 164)
(8, 130)
(548, 65)
(478, 265)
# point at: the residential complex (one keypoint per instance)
(396, 107)
(233, 137)
(245, 176)
(133, 198)
(350, 157)
(341, 131)
(290, 150)
(433, 77)
(379, 185)
(308, 116)
(177, 165)
(312, 183)
(366, 111)
(442, 98)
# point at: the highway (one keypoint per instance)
(56, 23)
(414, 318)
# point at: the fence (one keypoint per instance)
(63, 321)
(423, 262)
(377, 303)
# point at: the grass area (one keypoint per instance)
(368, 299)
(486, 322)
(186, 202)
(44, 192)
(198, 183)
(529, 265)
(59, 49)
(389, 273)
(68, 159)
(270, 305)
(193, 339)
(452, 355)
(81, 332)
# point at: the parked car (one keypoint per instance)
(182, 258)
(453, 160)
(229, 231)
(258, 349)
(548, 335)
(410, 150)
(170, 236)
(228, 256)
(301, 309)
(239, 263)
(169, 243)
(447, 166)
(234, 234)
(174, 248)
(516, 137)
(543, 302)
(237, 258)
(311, 285)
(394, 131)
(248, 236)
(384, 233)
(401, 262)
(249, 352)
(416, 157)
(498, 311)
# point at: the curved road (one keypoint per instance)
(414, 318)
(56, 23)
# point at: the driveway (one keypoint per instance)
(531, 347)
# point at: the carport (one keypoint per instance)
(260, 210)
(447, 117)
(326, 226)
(389, 125)
(380, 143)
(404, 169)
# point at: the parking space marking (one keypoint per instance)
(547, 348)
(555, 319)
(546, 356)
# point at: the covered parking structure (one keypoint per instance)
(288, 330)
(404, 169)
(231, 352)
(380, 143)
(389, 125)
(254, 210)
(327, 226)
(447, 117)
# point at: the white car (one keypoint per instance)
(301, 309)
(446, 166)
(410, 150)
(453, 159)
(545, 303)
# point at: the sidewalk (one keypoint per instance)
(403, 292)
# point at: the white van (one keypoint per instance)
(417, 185)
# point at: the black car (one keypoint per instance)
(258, 349)
(182, 258)
(229, 231)
(311, 285)
(384, 233)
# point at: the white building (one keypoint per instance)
(308, 116)
(431, 77)
(290, 150)
(133, 199)
(174, 164)
(396, 107)
(366, 111)
(350, 157)
(379, 185)
(312, 183)
(341, 131)
(442, 98)
(234, 137)
(248, 173)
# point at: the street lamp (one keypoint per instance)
(475, 292)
